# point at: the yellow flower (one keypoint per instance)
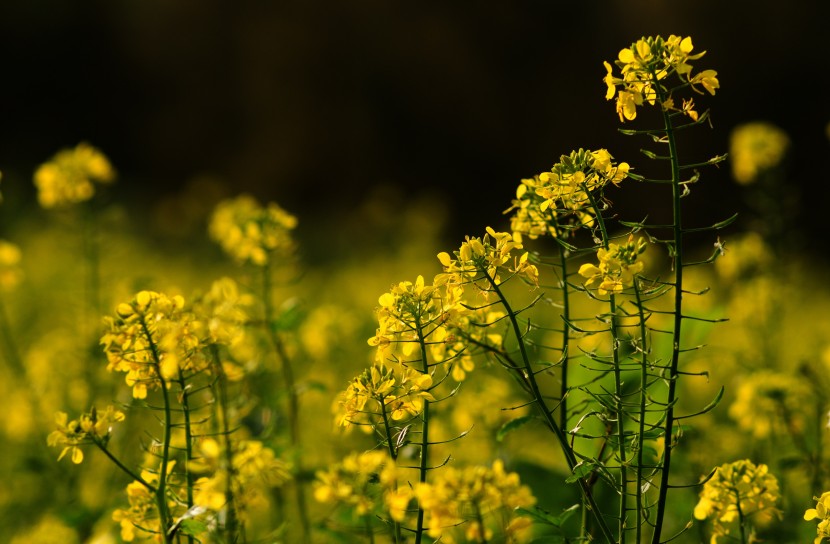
(92, 427)
(755, 148)
(737, 489)
(822, 513)
(617, 266)
(10, 272)
(455, 494)
(251, 233)
(71, 175)
(643, 68)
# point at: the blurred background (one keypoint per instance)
(319, 104)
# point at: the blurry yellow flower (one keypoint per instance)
(755, 148)
(71, 175)
(455, 495)
(92, 427)
(251, 233)
(10, 272)
(768, 401)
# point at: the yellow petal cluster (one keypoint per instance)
(738, 489)
(755, 148)
(617, 266)
(469, 496)
(365, 482)
(644, 66)
(251, 233)
(91, 427)
(70, 176)
(822, 513)
(486, 259)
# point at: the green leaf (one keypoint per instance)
(581, 470)
(192, 527)
(511, 426)
(546, 517)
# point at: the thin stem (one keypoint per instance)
(424, 465)
(293, 398)
(393, 453)
(642, 413)
(161, 490)
(618, 393)
(741, 517)
(566, 336)
(150, 487)
(222, 409)
(530, 378)
(677, 227)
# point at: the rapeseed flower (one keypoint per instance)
(755, 148)
(617, 266)
(251, 233)
(822, 513)
(71, 175)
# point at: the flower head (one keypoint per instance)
(70, 176)
(251, 233)
(643, 68)
(755, 148)
(738, 489)
(91, 427)
(617, 266)
(822, 513)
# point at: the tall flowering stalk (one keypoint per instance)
(657, 72)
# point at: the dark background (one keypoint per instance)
(313, 104)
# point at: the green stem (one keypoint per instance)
(538, 399)
(293, 399)
(150, 487)
(642, 413)
(677, 227)
(222, 408)
(618, 393)
(566, 336)
(394, 455)
(741, 517)
(423, 465)
(161, 490)
(188, 446)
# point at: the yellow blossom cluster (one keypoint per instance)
(366, 482)
(467, 496)
(561, 195)
(737, 492)
(486, 258)
(411, 309)
(92, 427)
(645, 64)
(383, 391)
(70, 176)
(468, 334)
(251, 233)
(152, 338)
(10, 272)
(617, 266)
(141, 519)
(755, 148)
(254, 469)
(822, 513)
(767, 401)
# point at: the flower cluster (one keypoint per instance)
(468, 334)
(71, 175)
(766, 401)
(563, 194)
(141, 519)
(469, 495)
(254, 469)
(755, 148)
(251, 233)
(10, 272)
(617, 266)
(736, 492)
(410, 309)
(381, 392)
(366, 482)
(486, 258)
(151, 339)
(92, 427)
(645, 64)
(822, 513)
